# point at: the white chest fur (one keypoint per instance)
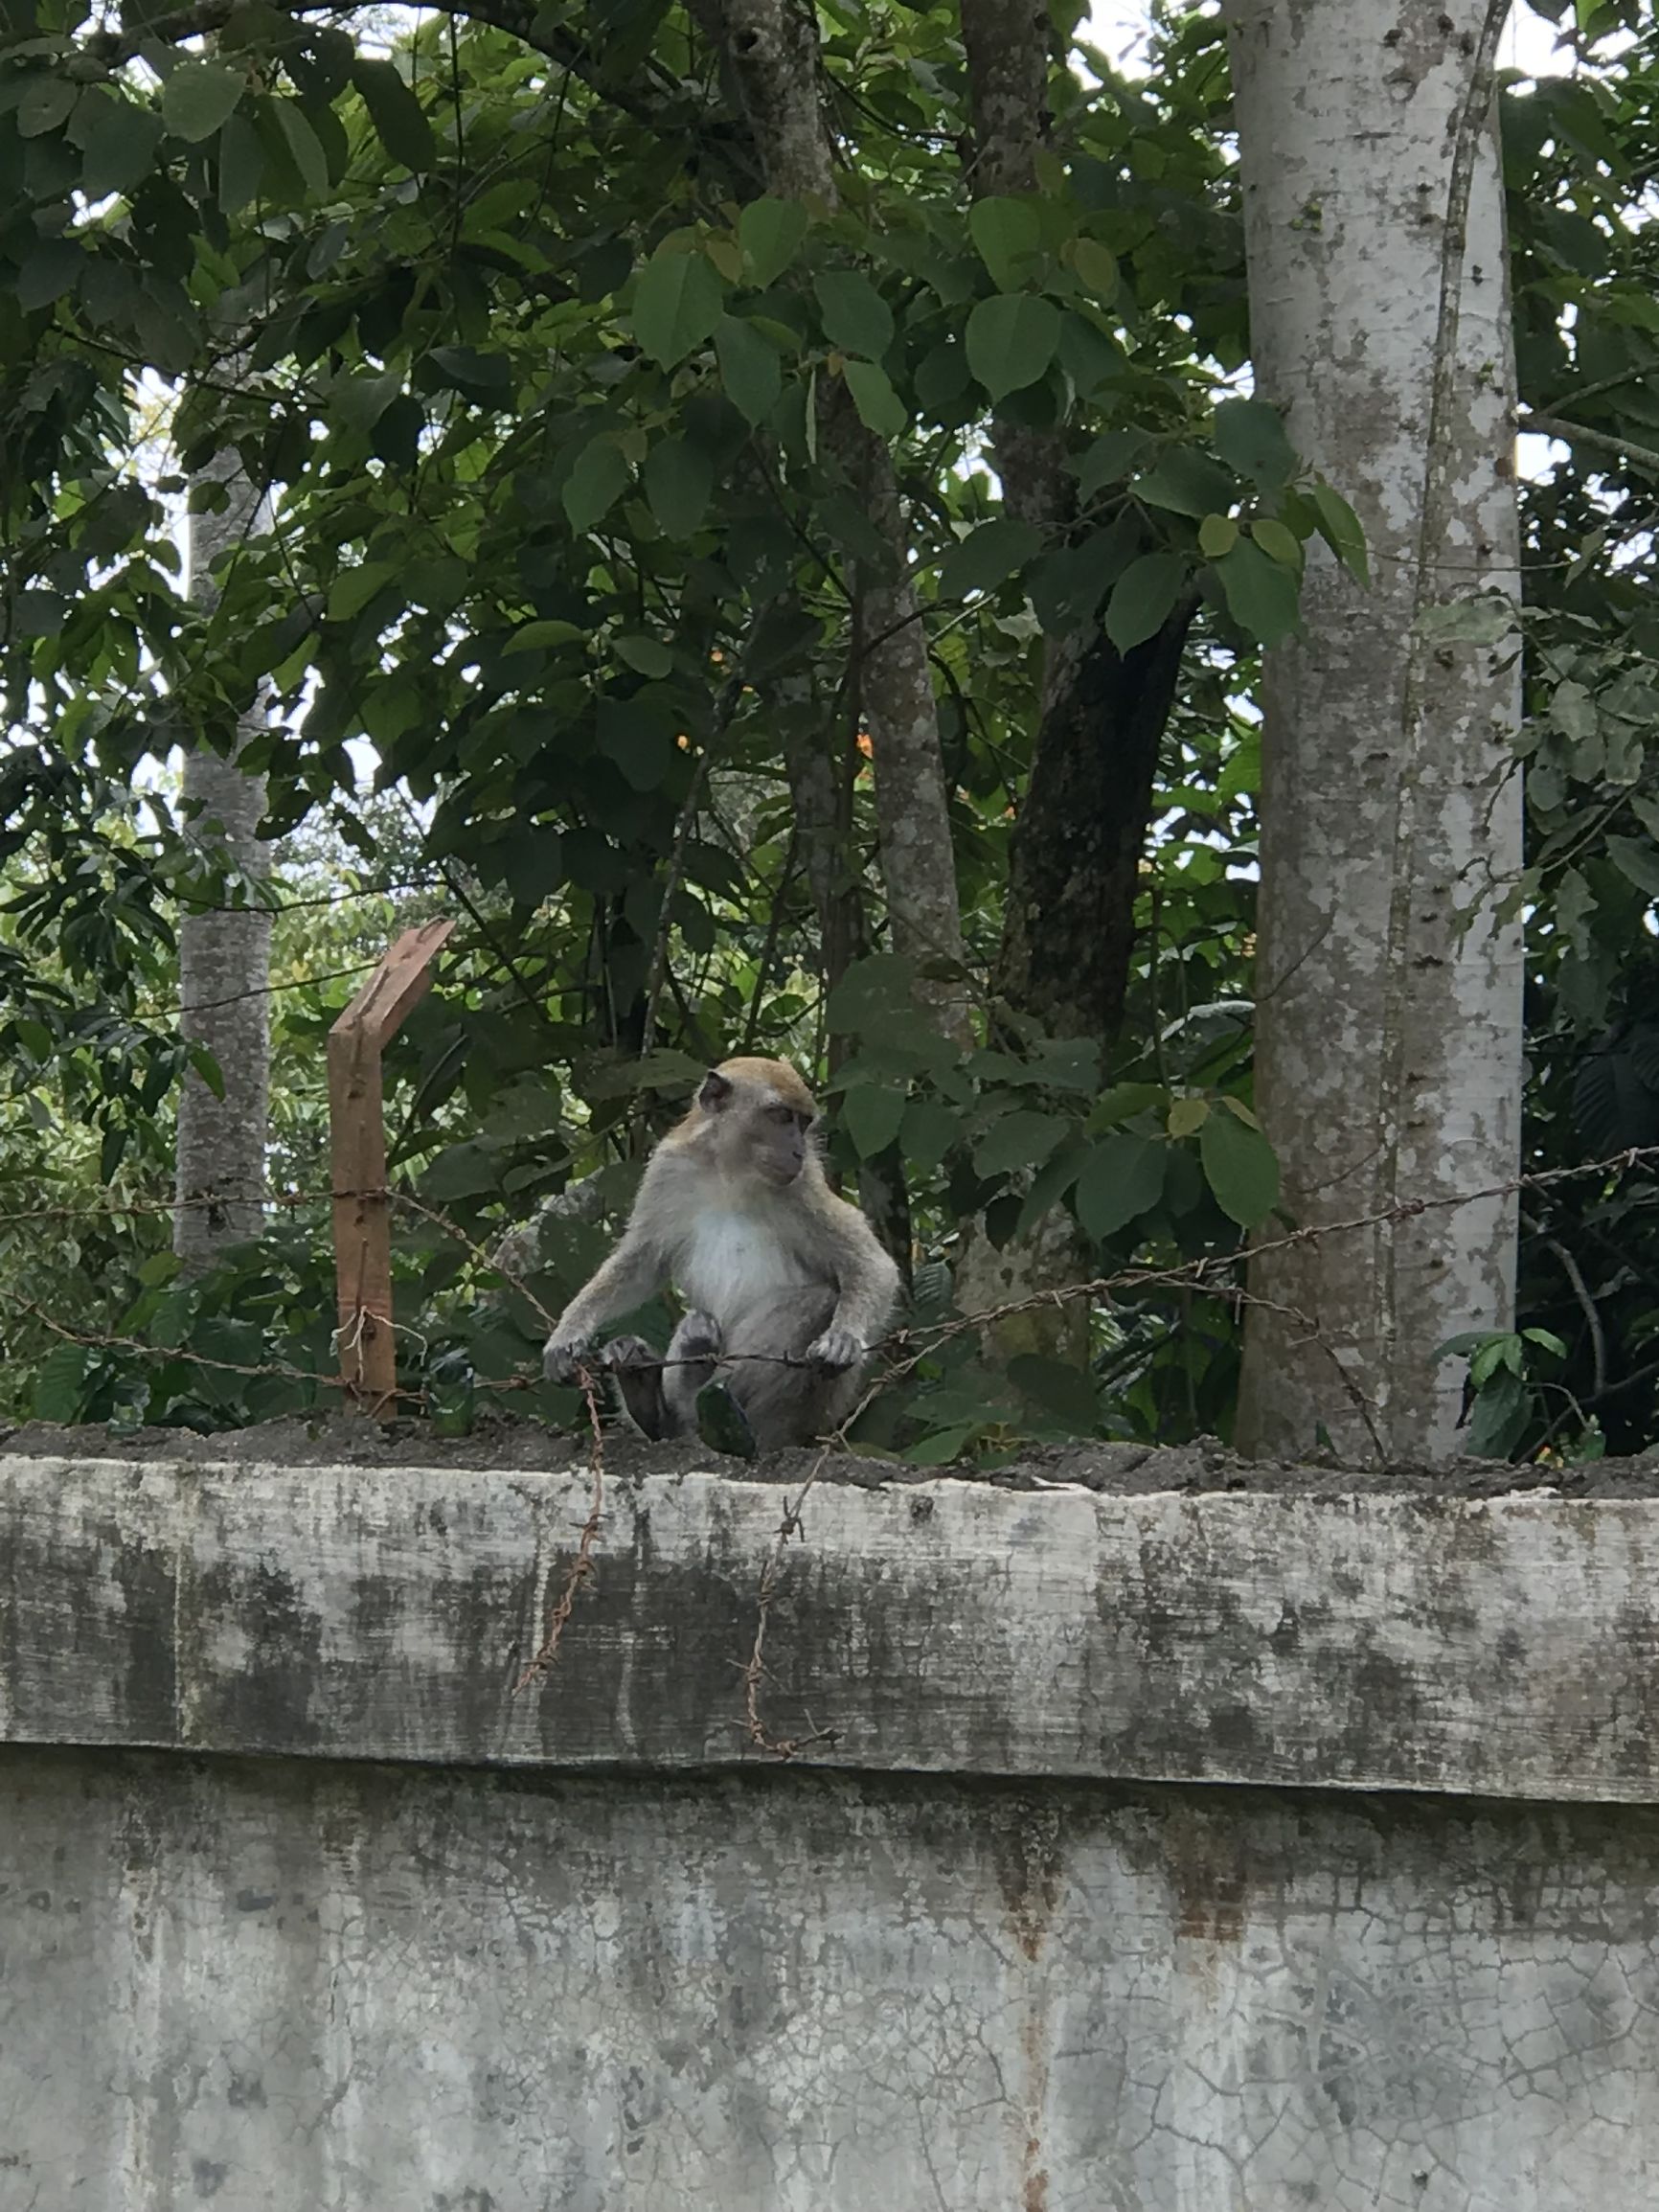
(733, 1256)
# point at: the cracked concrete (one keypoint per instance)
(314, 1987)
(1023, 1938)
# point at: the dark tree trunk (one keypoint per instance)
(1069, 924)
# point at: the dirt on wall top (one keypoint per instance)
(527, 1446)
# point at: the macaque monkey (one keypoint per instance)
(735, 1212)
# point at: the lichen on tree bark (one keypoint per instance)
(224, 949)
(1388, 1047)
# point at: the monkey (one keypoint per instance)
(734, 1210)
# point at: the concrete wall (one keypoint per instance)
(582, 1951)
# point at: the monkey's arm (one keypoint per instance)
(865, 1286)
(638, 1266)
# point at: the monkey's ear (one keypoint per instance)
(715, 1091)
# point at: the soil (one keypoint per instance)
(497, 1443)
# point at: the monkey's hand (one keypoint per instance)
(563, 1354)
(835, 1351)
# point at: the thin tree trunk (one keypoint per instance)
(1074, 864)
(773, 49)
(224, 954)
(1388, 1044)
(1068, 936)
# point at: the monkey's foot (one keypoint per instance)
(637, 1369)
(837, 1350)
(722, 1424)
(698, 1337)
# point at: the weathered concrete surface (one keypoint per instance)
(305, 1987)
(1502, 1646)
(445, 1950)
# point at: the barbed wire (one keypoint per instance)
(906, 1348)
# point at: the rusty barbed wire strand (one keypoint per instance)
(755, 1669)
(581, 1568)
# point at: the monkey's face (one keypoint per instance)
(777, 1142)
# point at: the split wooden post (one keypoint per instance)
(357, 1150)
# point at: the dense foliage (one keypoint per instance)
(537, 369)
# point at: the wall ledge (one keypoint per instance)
(1504, 1647)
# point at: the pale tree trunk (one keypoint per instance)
(772, 47)
(1389, 1025)
(223, 953)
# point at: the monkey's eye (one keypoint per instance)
(780, 1114)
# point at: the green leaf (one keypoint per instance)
(649, 656)
(1113, 455)
(1250, 438)
(464, 1170)
(855, 317)
(57, 1389)
(879, 984)
(1096, 266)
(350, 592)
(1187, 482)
(1049, 1185)
(679, 478)
(722, 1424)
(1122, 1102)
(1484, 618)
(1278, 543)
(1009, 234)
(399, 117)
(943, 1445)
(1242, 1169)
(1144, 598)
(121, 151)
(1186, 1115)
(1066, 1392)
(45, 104)
(1503, 1349)
(198, 98)
(679, 300)
(1637, 862)
(1500, 1416)
(871, 1114)
(1022, 1139)
(595, 485)
(770, 231)
(1217, 533)
(927, 1133)
(749, 368)
(1261, 595)
(52, 268)
(538, 636)
(1010, 341)
(1339, 527)
(987, 556)
(1122, 1179)
(484, 377)
(304, 144)
(879, 407)
(241, 164)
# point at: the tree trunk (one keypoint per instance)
(224, 955)
(1068, 932)
(773, 49)
(1388, 1038)
(1074, 864)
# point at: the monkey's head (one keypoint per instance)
(757, 1116)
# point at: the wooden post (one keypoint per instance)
(357, 1146)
